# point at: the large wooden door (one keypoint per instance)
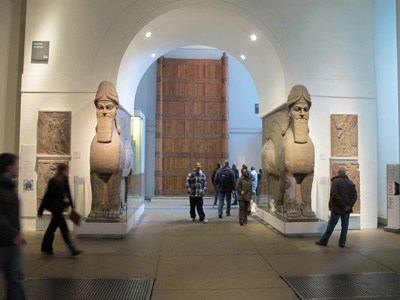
(192, 120)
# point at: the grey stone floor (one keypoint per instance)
(218, 260)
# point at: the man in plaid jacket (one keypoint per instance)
(196, 185)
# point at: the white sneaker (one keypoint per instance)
(191, 220)
(204, 221)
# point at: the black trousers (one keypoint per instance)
(243, 210)
(57, 220)
(216, 195)
(197, 202)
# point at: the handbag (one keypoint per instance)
(75, 217)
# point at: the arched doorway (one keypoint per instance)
(244, 123)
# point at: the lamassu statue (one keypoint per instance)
(107, 157)
(288, 156)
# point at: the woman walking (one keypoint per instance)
(56, 200)
(244, 189)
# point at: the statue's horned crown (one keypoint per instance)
(297, 93)
(106, 91)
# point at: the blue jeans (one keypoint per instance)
(222, 196)
(10, 262)
(331, 226)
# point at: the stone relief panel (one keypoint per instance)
(344, 135)
(54, 133)
(46, 169)
(353, 172)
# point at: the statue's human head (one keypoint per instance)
(299, 103)
(106, 102)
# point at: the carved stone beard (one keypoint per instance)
(104, 129)
(300, 131)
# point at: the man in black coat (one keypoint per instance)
(225, 181)
(219, 165)
(341, 202)
(10, 233)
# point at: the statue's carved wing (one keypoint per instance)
(276, 126)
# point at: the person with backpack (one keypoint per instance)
(225, 181)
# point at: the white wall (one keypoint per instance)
(319, 123)
(5, 31)
(385, 46)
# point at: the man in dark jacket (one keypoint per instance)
(236, 175)
(10, 235)
(214, 184)
(225, 181)
(341, 202)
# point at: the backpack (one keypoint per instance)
(224, 179)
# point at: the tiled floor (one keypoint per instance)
(219, 260)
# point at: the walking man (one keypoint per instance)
(341, 202)
(11, 238)
(214, 183)
(226, 184)
(196, 185)
(236, 175)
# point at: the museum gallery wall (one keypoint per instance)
(326, 60)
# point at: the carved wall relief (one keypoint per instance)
(353, 172)
(344, 135)
(54, 133)
(46, 169)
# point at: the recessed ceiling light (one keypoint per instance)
(253, 37)
(242, 57)
(153, 55)
(148, 34)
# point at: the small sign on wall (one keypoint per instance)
(40, 52)
(393, 205)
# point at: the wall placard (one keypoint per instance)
(40, 52)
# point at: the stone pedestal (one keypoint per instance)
(103, 230)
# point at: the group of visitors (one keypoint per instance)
(227, 185)
(225, 180)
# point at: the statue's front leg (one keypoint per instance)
(306, 186)
(97, 209)
(113, 189)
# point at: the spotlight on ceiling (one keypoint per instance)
(253, 37)
(242, 57)
(153, 55)
(148, 34)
